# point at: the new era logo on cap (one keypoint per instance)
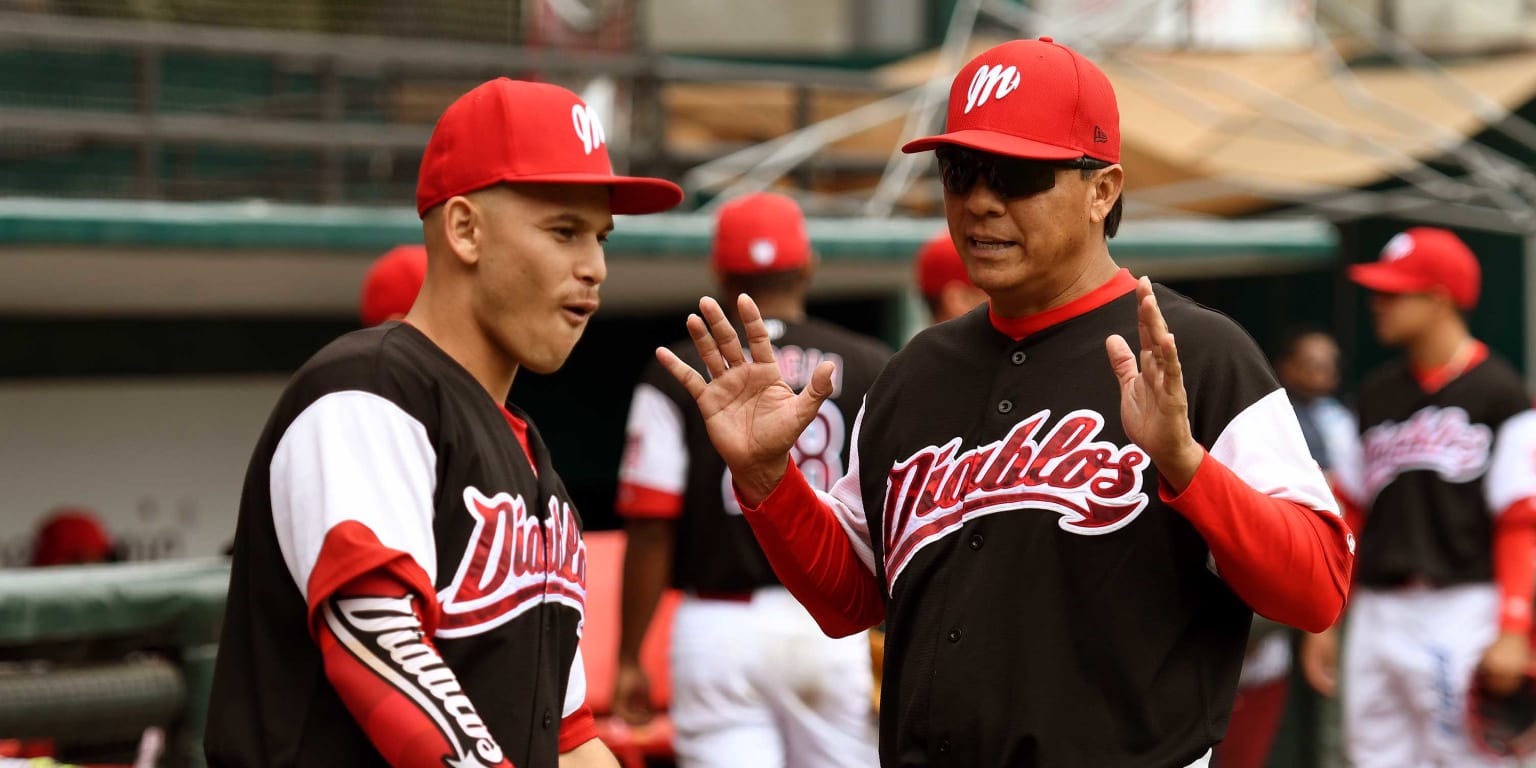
(1099, 136)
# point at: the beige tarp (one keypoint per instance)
(1209, 132)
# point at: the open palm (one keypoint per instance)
(1154, 407)
(752, 416)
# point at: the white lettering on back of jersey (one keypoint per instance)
(1094, 485)
(1439, 440)
(512, 563)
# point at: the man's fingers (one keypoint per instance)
(758, 339)
(1173, 370)
(725, 335)
(809, 400)
(1121, 360)
(685, 374)
(709, 350)
(1143, 317)
(1149, 316)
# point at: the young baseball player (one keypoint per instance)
(754, 681)
(390, 287)
(408, 578)
(1445, 476)
(1065, 545)
(942, 281)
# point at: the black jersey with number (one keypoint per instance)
(1434, 469)
(383, 430)
(1044, 606)
(670, 462)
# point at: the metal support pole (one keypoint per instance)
(332, 111)
(1528, 302)
(147, 93)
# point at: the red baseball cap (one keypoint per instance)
(760, 232)
(71, 536)
(391, 285)
(1035, 99)
(1422, 259)
(939, 264)
(518, 131)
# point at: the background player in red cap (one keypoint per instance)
(391, 285)
(1065, 549)
(408, 578)
(755, 682)
(943, 282)
(1445, 475)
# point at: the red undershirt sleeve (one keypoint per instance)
(374, 633)
(811, 554)
(577, 729)
(1514, 564)
(1289, 562)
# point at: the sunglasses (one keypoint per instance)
(1009, 177)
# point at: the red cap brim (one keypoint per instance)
(994, 142)
(632, 195)
(1381, 277)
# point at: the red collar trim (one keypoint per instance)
(520, 431)
(1019, 327)
(1434, 379)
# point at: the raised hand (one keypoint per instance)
(1153, 405)
(752, 416)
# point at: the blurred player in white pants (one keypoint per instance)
(1442, 494)
(755, 682)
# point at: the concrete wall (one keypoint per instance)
(161, 461)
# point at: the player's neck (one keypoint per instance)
(1036, 296)
(787, 308)
(457, 334)
(1439, 346)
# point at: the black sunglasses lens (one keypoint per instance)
(1013, 178)
(958, 170)
(1008, 177)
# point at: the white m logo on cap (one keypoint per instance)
(588, 128)
(991, 82)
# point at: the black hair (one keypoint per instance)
(1290, 339)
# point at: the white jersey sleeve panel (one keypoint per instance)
(656, 450)
(1512, 469)
(353, 456)
(1263, 446)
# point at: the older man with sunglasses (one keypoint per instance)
(1064, 537)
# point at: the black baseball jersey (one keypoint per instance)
(670, 467)
(383, 430)
(1433, 469)
(1044, 606)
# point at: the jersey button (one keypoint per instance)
(977, 541)
(954, 635)
(1019, 357)
(1005, 406)
(943, 746)
(547, 718)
